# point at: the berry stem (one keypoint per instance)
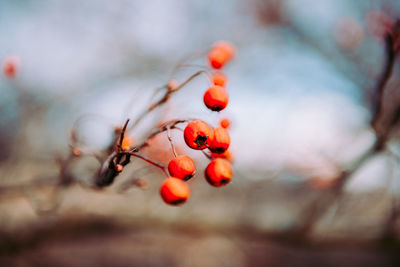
(148, 160)
(171, 142)
(164, 99)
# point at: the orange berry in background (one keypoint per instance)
(10, 66)
(226, 155)
(221, 141)
(76, 152)
(225, 123)
(174, 191)
(218, 78)
(198, 134)
(182, 167)
(216, 98)
(220, 54)
(219, 172)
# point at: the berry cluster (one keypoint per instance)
(199, 135)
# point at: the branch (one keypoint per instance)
(152, 162)
(164, 99)
(383, 79)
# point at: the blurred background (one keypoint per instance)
(300, 91)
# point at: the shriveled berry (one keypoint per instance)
(174, 191)
(216, 98)
(198, 134)
(219, 172)
(182, 167)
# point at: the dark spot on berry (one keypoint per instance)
(217, 108)
(219, 150)
(177, 202)
(200, 140)
(187, 177)
(224, 181)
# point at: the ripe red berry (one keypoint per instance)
(221, 141)
(182, 167)
(218, 78)
(216, 98)
(198, 134)
(225, 123)
(174, 191)
(219, 172)
(220, 54)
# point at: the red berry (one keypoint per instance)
(216, 98)
(219, 172)
(221, 141)
(198, 134)
(182, 167)
(174, 191)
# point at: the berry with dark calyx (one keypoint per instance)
(174, 191)
(182, 167)
(216, 98)
(221, 141)
(198, 134)
(219, 172)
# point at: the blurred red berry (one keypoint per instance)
(225, 123)
(11, 66)
(220, 54)
(218, 78)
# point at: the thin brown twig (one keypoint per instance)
(383, 79)
(148, 160)
(163, 99)
(171, 142)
